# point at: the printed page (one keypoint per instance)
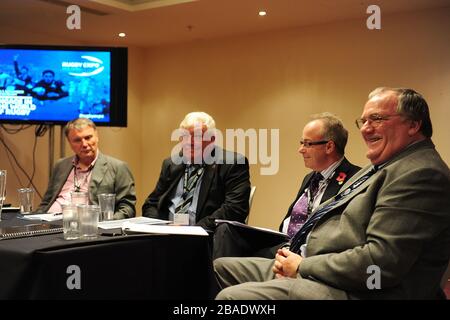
(145, 228)
(113, 224)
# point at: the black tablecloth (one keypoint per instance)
(120, 267)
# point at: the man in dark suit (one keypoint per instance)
(89, 171)
(322, 147)
(385, 235)
(201, 183)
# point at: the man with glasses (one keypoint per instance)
(322, 147)
(386, 235)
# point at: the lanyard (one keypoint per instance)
(76, 183)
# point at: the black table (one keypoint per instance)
(120, 267)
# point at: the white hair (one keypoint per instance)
(193, 118)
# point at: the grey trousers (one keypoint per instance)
(253, 279)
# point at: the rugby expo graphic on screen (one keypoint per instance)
(48, 85)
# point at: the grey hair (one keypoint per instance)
(79, 124)
(411, 105)
(198, 117)
(333, 130)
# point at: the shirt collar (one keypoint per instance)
(76, 161)
(328, 172)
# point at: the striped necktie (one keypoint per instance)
(189, 185)
(300, 236)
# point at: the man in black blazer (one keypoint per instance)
(322, 147)
(203, 182)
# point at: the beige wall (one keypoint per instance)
(276, 80)
(272, 80)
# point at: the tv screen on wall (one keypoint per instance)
(55, 84)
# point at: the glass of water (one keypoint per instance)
(71, 226)
(2, 190)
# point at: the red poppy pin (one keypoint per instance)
(341, 177)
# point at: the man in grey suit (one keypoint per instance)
(385, 235)
(90, 171)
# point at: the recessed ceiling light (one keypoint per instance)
(122, 34)
(262, 13)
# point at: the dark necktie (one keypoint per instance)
(303, 206)
(300, 236)
(189, 185)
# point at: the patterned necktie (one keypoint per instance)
(300, 236)
(189, 185)
(302, 207)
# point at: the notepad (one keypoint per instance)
(29, 230)
(246, 226)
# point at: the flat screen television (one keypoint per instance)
(55, 84)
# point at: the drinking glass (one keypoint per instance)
(106, 202)
(2, 190)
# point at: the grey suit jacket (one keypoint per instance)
(398, 220)
(109, 175)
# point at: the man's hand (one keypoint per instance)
(286, 263)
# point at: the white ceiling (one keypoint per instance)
(159, 22)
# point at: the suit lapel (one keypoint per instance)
(355, 192)
(366, 183)
(175, 174)
(331, 190)
(205, 186)
(98, 173)
(334, 185)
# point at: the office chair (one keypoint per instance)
(250, 200)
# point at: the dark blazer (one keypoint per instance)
(109, 175)
(224, 191)
(332, 188)
(398, 220)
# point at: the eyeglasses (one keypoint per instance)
(308, 144)
(374, 120)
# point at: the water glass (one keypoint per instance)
(71, 226)
(106, 202)
(26, 196)
(88, 219)
(2, 190)
(79, 197)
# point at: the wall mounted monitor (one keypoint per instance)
(55, 84)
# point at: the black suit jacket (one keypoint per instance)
(332, 188)
(224, 191)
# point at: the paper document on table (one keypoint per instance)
(246, 226)
(43, 216)
(113, 224)
(145, 228)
